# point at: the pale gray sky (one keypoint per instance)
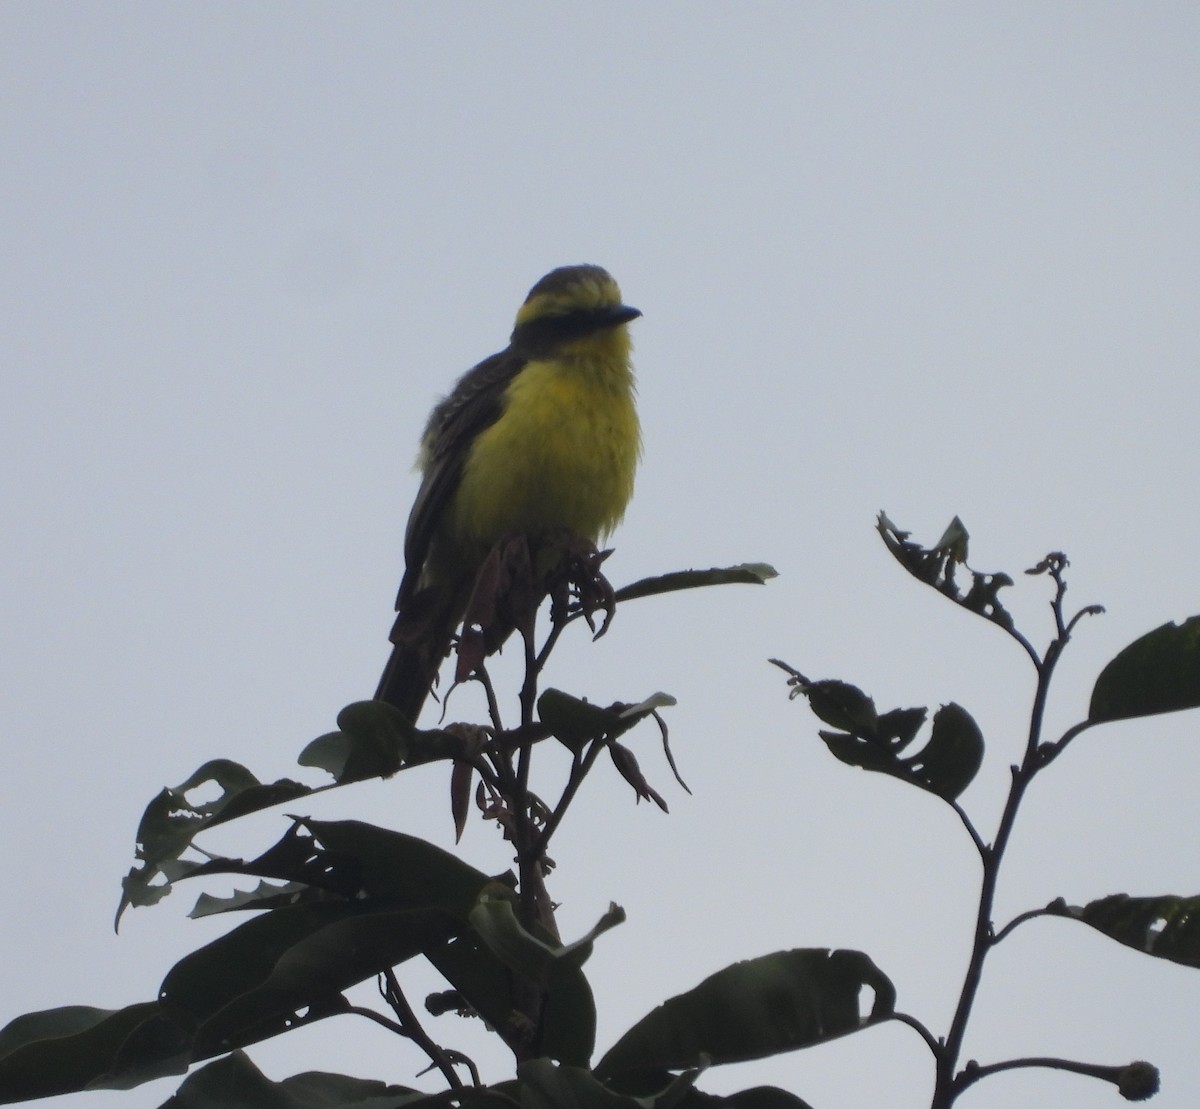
(932, 258)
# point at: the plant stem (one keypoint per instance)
(973, 1073)
(947, 1087)
(411, 1027)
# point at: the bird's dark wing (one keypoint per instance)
(473, 405)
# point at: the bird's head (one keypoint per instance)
(572, 307)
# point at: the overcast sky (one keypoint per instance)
(936, 259)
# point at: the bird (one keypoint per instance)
(541, 437)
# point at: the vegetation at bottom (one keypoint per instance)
(341, 902)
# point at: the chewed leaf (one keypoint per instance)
(843, 705)
(938, 565)
(866, 738)
(952, 757)
(263, 896)
(946, 765)
(173, 819)
(756, 1008)
(1166, 927)
(1160, 672)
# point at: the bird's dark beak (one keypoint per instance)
(619, 314)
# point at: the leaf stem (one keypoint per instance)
(933, 1044)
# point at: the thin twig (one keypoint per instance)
(973, 1072)
(1017, 921)
(945, 1089)
(580, 767)
(1029, 648)
(482, 676)
(378, 1018)
(930, 1041)
(556, 630)
(976, 838)
(411, 1027)
(1051, 751)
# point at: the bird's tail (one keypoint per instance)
(421, 638)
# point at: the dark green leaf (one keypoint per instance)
(843, 705)
(752, 1009)
(574, 722)
(404, 869)
(1160, 672)
(375, 740)
(496, 923)
(946, 765)
(758, 1097)
(235, 1081)
(952, 757)
(486, 982)
(1165, 927)
(61, 1051)
(899, 727)
(371, 742)
(400, 897)
(546, 1086)
(747, 573)
(288, 967)
(346, 860)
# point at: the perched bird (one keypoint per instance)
(543, 436)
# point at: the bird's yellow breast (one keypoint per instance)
(562, 454)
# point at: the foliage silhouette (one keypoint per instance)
(342, 902)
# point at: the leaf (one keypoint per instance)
(752, 1009)
(287, 968)
(950, 760)
(346, 860)
(263, 896)
(1166, 927)
(946, 765)
(461, 777)
(569, 1016)
(374, 736)
(235, 1080)
(375, 740)
(845, 706)
(758, 1097)
(1160, 672)
(61, 1051)
(574, 722)
(400, 896)
(497, 925)
(650, 705)
(746, 573)
(171, 821)
(937, 566)
(627, 765)
(405, 869)
(546, 1086)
